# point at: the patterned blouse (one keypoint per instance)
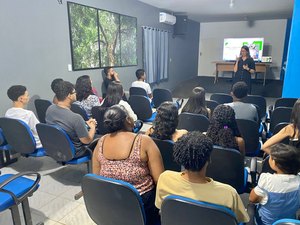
(88, 103)
(132, 170)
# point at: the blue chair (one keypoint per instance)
(79, 110)
(221, 98)
(18, 135)
(249, 130)
(285, 102)
(142, 108)
(59, 146)
(137, 91)
(41, 106)
(287, 222)
(161, 95)
(177, 210)
(193, 122)
(15, 190)
(279, 115)
(211, 104)
(5, 157)
(166, 150)
(227, 166)
(112, 202)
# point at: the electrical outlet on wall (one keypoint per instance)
(69, 67)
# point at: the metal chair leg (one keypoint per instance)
(78, 195)
(26, 212)
(15, 215)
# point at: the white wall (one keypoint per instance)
(35, 46)
(212, 36)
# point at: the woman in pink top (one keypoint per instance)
(130, 157)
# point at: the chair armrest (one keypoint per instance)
(16, 176)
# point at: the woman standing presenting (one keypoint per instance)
(243, 67)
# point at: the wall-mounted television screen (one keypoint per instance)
(232, 47)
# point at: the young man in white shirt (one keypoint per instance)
(141, 76)
(20, 97)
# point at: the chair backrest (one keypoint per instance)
(287, 222)
(278, 127)
(285, 102)
(279, 115)
(98, 114)
(249, 130)
(211, 104)
(18, 135)
(56, 142)
(161, 95)
(110, 201)
(2, 138)
(41, 106)
(166, 151)
(227, 166)
(177, 210)
(221, 98)
(79, 110)
(137, 91)
(193, 122)
(258, 101)
(141, 106)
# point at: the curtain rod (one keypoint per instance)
(153, 28)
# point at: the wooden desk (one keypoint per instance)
(223, 66)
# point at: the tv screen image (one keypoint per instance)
(232, 48)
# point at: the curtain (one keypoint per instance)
(155, 54)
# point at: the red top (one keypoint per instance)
(132, 169)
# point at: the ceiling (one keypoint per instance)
(220, 10)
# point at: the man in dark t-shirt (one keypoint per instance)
(60, 114)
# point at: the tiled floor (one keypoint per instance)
(53, 203)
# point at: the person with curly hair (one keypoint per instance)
(192, 151)
(133, 158)
(85, 95)
(165, 123)
(223, 129)
(196, 103)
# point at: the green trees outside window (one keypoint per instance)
(101, 38)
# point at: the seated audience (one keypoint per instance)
(114, 96)
(291, 131)
(53, 87)
(196, 103)
(80, 132)
(192, 151)
(140, 82)
(130, 157)
(20, 97)
(223, 129)
(165, 123)
(278, 195)
(242, 110)
(85, 95)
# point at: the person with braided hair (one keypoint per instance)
(192, 151)
(223, 129)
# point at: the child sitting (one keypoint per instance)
(278, 194)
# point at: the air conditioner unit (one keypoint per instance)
(167, 18)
